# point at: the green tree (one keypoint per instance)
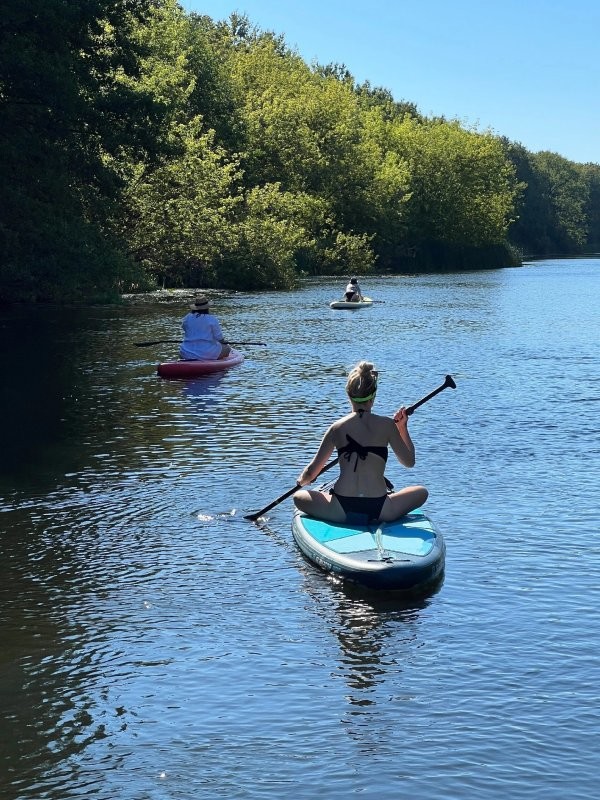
(347, 253)
(532, 228)
(177, 216)
(567, 194)
(266, 238)
(62, 110)
(555, 210)
(591, 174)
(463, 188)
(306, 129)
(176, 211)
(382, 99)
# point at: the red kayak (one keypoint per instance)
(196, 368)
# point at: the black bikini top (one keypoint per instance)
(353, 447)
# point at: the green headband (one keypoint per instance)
(364, 399)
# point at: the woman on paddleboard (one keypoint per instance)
(353, 292)
(361, 438)
(203, 337)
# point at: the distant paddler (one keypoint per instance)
(353, 292)
(203, 336)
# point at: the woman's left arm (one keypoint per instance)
(320, 460)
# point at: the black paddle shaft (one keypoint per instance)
(178, 341)
(448, 383)
(287, 494)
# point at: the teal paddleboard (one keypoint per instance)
(408, 554)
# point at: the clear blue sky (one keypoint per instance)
(525, 69)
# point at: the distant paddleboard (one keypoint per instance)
(364, 303)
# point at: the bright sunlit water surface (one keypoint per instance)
(157, 646)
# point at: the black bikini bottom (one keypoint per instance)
(360, 510)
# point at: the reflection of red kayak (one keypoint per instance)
(192, 369)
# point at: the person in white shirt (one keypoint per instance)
(203, 337)
(353, 293)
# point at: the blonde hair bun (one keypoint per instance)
(362, 382)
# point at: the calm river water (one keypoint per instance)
(157, 646)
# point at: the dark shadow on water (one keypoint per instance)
(391, 599)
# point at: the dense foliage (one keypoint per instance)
(145, 146)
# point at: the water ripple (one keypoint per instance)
(156, 644)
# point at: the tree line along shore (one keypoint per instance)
(144, 146)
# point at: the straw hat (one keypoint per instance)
(200, 303)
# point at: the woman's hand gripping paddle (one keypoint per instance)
(448, 383)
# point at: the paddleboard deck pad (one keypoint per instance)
(408, 554)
